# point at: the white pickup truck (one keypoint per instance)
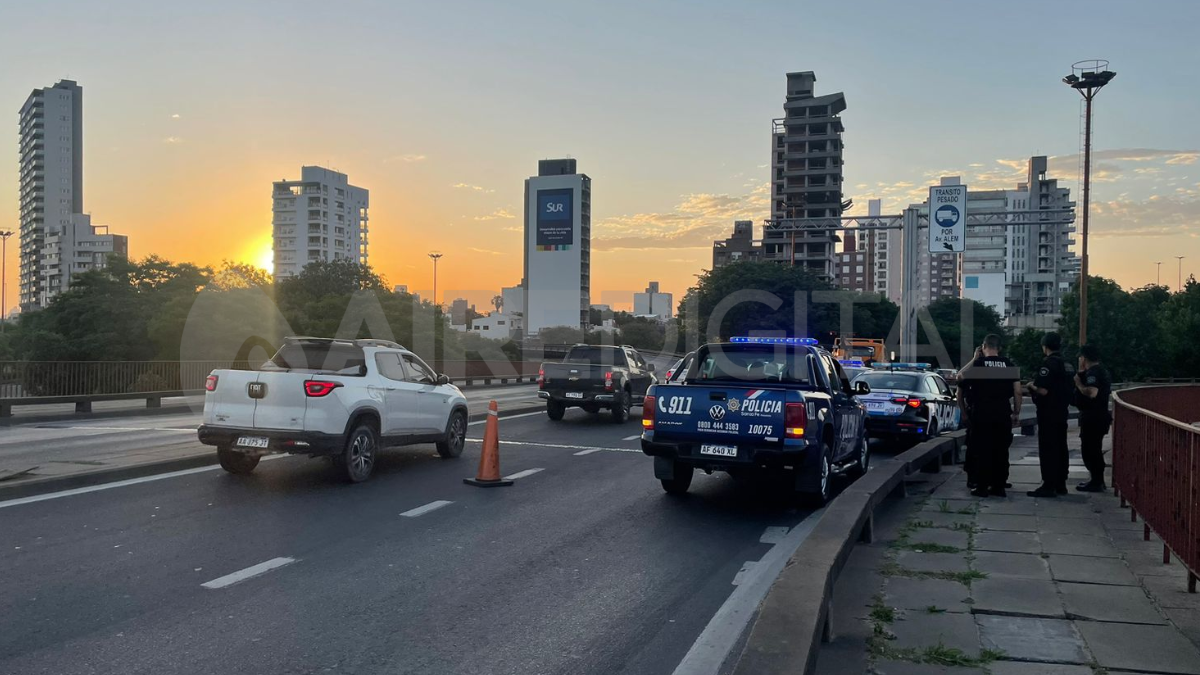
(338, 398)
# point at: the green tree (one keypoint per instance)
(949, 315)
(1179, 326)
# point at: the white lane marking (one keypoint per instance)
(91, 428)
(422, 510)
(522, 474)
(747, 567)
(509, 417)
(588, 451)
(116, 484)
(711, 649)
(251, 571)
(632, 438)
(560, 446)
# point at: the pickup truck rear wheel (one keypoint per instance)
(555, 410)
(358, 458)
(236, 462)
(679, 483)
(456, 436)
(620, 408)
(817, 488)
(862, 456)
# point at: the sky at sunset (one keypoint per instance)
(442, 109)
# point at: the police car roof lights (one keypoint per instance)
(852, 363)
(901, 366)
(774, 340)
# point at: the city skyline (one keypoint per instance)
(193, 153)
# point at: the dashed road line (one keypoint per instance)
(509, 417)
(426, 508)
(589, 451)
(523, 474)
(249, 572)
(632, 438)
(559, 446)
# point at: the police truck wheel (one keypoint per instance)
(620, 408)
(680, 482)
(555, 410)
(236, 462)
(819, 486)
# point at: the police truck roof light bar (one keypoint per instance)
(901, 366)
(852, 363)
(773, 340)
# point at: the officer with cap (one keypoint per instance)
(1093, 386)
(1051, 391)
(985, 386)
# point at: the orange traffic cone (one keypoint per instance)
(489, 459)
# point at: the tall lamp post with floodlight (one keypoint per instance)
(435, 257)
(4, 235)
(1179, 281)
(1158, 274)
(1087, 78)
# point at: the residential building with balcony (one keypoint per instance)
(741, 246)
(320, 217)
(806, 178)
(75, 249)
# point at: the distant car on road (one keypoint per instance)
(595, 377)
(343, 399)
(779, 405)
(908, 401)
(677, 371)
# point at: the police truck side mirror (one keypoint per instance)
(861, 388)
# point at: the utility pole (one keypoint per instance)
(1179, 282)
(435, 256)
(1088, 78)
(4, 235)
(1158, 274)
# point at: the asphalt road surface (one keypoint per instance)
(583, 566)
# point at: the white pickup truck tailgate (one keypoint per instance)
(230, 404)
(284, 401)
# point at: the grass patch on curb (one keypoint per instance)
(938, 655)
(924, 547)
(893, 569)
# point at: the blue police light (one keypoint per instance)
(902, 366)
(851, 363)
(774, 340)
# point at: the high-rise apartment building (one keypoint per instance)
(653, 302)
(320, 217)
(806, 176)
(740, 247)
(58, 240)
(558, 248)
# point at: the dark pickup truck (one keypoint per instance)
(775, 405)
(595, 377)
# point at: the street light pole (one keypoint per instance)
(4, 235)
(435, 256)
(1158, 274)
(1088, 78)
(1179, 282)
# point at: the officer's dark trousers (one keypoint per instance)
(988, 440)
(1053, 455)
(1091, 440)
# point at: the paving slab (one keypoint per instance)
(1016, 596)
(1014, 506)
(932, 562)
(1021, 668)
(1171, 591)
(1032, 639)
(950, 505)
(917, 595)
(957, 631)
(1078, 544)
(1157, 649)
(1001, 521)
(937, 519)
(1008, 542)
(1124, 604)
(1144, 564)
(940, 536)
(1087, 570)
(1071, 525)
(906, 668)
(1023, 565)
(1188, 621)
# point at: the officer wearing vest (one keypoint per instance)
(1093, 386)
(1051, 391)
(985, 387)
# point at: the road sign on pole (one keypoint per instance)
(947, 218)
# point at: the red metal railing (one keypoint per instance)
(1156, 466)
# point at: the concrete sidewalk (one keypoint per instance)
(1016, 586)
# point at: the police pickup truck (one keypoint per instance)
(758, 404)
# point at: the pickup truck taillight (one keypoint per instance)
(608, 381)
(210, 383)
(795, 419)
(648, 409)
(319, 388)
(541, 378)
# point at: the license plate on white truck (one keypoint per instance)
(719, 450)
(252, 441)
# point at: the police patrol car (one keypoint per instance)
(908, 401)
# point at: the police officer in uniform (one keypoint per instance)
(1051, 391)
(985, 387)
(1093, 386)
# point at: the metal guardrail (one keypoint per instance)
(1156, 466)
